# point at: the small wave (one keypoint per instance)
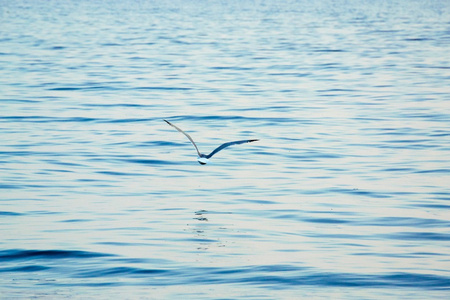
(32, 268)
(359, 192)
(326, 220)
(88, 87)
(113, 105)
(149, 161)
(434, 171)
(237, 118)
(75, 221)
(330, 50)
(9, 213)
(126, 120)
(277, 275)
(289, 276)
(420, 236)
(398, 170)
(10, 186)
(46, 119)
(120, 271)
(435, 206)
(164, 88)
(8, 255)
(57, 48)
(405, 221)
(115, 173)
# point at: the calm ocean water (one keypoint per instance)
(345, 196)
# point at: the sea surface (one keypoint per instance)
(346, 195)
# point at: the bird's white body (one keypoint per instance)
(202, 160)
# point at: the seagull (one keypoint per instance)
(202, 158)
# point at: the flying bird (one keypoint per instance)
(202, 158)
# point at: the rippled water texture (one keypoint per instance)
(345, 196)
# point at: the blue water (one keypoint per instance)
(345, 196)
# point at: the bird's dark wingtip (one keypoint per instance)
(253, 140)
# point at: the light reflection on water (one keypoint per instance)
(344, 196)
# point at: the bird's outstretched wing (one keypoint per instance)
(223, 146)
(187, 135)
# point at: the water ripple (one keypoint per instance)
(345, 195)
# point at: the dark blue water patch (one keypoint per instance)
(91, 86)
(434, 206)
(115, 173)
(329, 50)
(441, 195)
(17, 254)
(418, 141)
(157, 143)
(398, 170)
(303, 216)
(419, 236)
(292, 74)
(280, 276)
(9, 214)
(405, 222)
(356, 191)
(125, 120)
(340, 236)
(321, 155)
(330, 66)
(163, 88)
(258, 201)
(399, 131)
(439, 133)
(236, 68)
(57, 48)
(63, 163)
(45, 119)
(265, 276)
(428, 254)
(331, 211)
(138, 57)
(51, 171)
(142, 161)
(443, 170)
(436, 117)
(90, 180)
(389, 280)
(326, 220)
(202, 211)
(353, 280)
(335, 91)
(406, 145)
(262, 108)
(398, 255)
(111, 44)
(237, 118)
(121, 272)
(8, 186)
(43, 212)
(76, 221)
(25, 101)
(113, 105)
(65, 88)
(30, 268)
(121, 244)
(418, 39)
